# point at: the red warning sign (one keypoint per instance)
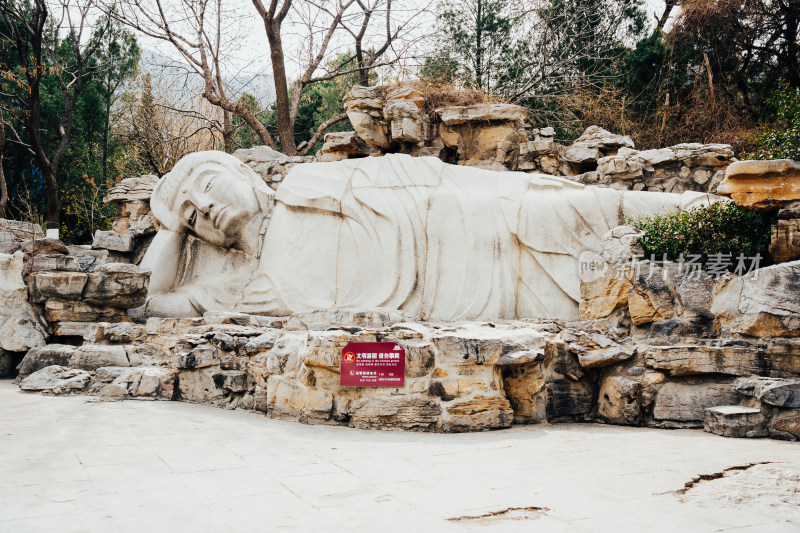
(373, 364)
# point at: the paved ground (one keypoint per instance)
(71, 464)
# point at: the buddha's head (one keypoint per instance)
(210, 194)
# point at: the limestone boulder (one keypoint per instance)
(117, 285)
(764, 303)
(684, 402)
(62, 285)
(477, 414)
(620, 168)
(74, 311)
(605, 294)
(686, 360)
(605, 356)
(605, 141)
(48, 246)
(489, 134)
(288, 398)
(364, 107)
(87, 258)
(94, 356)
(56, 379)
(784, 242)
(773, 391)
(257, 154)
(343, 145)
(132, 189)
(706, 155)
(621, 244)
(141, 382)
(44, 356)
(618, 400)
(111, 240)
(524, 386)
(735, 421)
(785, 427)
(695, 294)
(481, 113)
(404, 411)
(583, 156)
(20, 230)
(203, 385)
(21, 327)
(404, 111)
(762, 184)
(569, 400)
(651, 298)
(58, 262)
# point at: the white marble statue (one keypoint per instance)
(436, 241)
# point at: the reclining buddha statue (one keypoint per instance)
(432, 240)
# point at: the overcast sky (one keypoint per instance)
(252, 53)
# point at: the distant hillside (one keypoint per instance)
(175, 74)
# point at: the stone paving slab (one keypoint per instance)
(74, 464)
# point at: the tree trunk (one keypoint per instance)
(105, 129)
(285, 132)
(478, 49)
(665, 15)
(227, 138)
(3, 188)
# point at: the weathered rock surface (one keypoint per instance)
(618, 401)
(343, 145)
(773, 391)
(735, 421)
(117, 285)
(597, 137)
(683, 402)
(111, 240)
(764, 303)
(49, 355)
(94, 356)
(762, 184)
(56, 379)
(784, 242)
(132, 189)
(20, 326)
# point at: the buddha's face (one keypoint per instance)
(216, 207)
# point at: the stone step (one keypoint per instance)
(735, 421)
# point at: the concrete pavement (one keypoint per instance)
(75, 464)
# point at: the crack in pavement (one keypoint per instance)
(689, 485)
(511, 513)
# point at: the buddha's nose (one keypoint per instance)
(205, 205)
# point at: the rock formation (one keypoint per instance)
(628, 341)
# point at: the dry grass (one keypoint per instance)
(448, 95)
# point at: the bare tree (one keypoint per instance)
(559, 44)
(35, 38)
(195, 28)
(3, 187)
(162, 129)
(199, 38)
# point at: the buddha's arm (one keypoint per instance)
(175, 304)
(162, 258)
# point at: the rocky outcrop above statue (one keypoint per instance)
(134, 225)
(397, 119)
(401, 119)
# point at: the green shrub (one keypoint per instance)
(782, 141)
(721, 228)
